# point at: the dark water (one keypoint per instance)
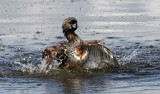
(130, 28)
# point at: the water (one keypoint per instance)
(130, 28)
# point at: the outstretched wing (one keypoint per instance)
(100, 56)
(48, 54)
(57, 54)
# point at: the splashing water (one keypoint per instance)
(40, 68)
(128, 58)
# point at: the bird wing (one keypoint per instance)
(57, 54)
(99, 55)
(48, 54)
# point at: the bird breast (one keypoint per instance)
(80, 54)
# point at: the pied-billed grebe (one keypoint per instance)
(78, 53)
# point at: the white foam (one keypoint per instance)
(29, 67)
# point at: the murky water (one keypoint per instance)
(130, 28)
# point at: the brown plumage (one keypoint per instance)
(78, 53)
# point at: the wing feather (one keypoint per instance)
(100, 56)
(48, 55)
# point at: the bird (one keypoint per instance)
(77, 53)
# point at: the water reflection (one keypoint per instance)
(79, 83)
(73, 85)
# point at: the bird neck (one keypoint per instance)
(73, 37)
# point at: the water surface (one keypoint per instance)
(130, 28)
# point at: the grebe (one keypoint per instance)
(76, 53)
